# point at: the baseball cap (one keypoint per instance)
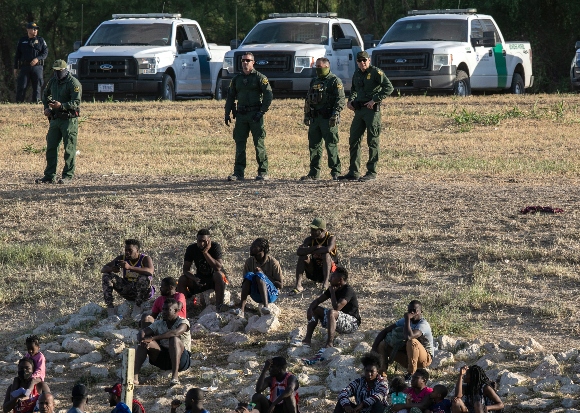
(115, 389)
(59, 65)
(318, 223)
(362, 55)
(31, 25)
(79, 390)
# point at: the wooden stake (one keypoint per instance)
(128, 375)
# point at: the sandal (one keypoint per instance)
(295, 291)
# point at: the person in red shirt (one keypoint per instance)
(167, 289)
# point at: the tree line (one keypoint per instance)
(551, 26)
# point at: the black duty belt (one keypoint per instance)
(247, 109)
(325, 113)
(27, 62)
(358, 105)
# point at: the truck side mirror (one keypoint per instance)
(188, 46)
(369, 42)
(489, 39)
(77, 45)
(235, 43)
(577, 45)
(341, 44)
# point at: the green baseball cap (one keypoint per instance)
(362, 55)
(318, 223)
(59, 65)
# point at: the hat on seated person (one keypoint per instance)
(59, 65)
(32, 25)
(318, 223)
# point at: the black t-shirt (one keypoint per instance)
(194, 254)
(351, 306)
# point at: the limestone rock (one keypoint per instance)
(447, 343)
(247, 392)
(160, 405)
(235, 338)
(548, 367)
(512, 379)
(331, 352)
(99, 371)
(197, 329)
(535, 345)
(468, 353)
(570, 389)
(549, 383)
(340, 378)
(77, 322)
(126, 335)
(81, 345)
(208, 310)
(536, 404)
(92, 357)
(235, 324)
(362, 347)
(567, 355)
(45, 328)
(312, 391)
(240, 356)
(299, 352)
(14, 356)
(441, 359)
(115, 347)
(211, 321)
(54, 356)
(58, 369)
(53, 346)
(491, 348)
(508, 345)
(569, 403)
(342, 361)
(272, 347)
(264, 324)
(91, 309)
(298, 333)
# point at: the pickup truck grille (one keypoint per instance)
(268, 61)
(402, 60)
(107, 68)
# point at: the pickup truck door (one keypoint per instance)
(186, 66)
(343, 60)
(491, 70)
(202, 83)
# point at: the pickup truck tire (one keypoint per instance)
(517, 87)
(167, 88)
(462, 86)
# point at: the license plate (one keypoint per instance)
(107, 88)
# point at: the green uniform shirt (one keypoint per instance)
(252, 89)
(326, 93)
(67, 91)
(370, 84)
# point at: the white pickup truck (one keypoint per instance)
(156, 55)
(286, 47)
(575, 69)
(452, 50)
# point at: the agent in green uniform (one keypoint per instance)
(254, 95)
(322, 109)
(61, 99)
(369, 87)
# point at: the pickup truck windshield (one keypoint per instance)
(118, 34)
(427, 30)
(289, 32)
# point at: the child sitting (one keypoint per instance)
(398, 395)
(418, 400)
(439, 403)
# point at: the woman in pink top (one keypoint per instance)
(417, 395)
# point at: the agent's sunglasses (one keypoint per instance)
(247, 60)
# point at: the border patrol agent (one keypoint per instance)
(322, 109)
(254, 95)
(61, 100)
(31, 51)
(369, 87)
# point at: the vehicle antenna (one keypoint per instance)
(163, 8)
(82, 20)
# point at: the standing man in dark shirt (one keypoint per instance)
(209, 275)
(343, 317)
(370, 86)
(31, 51)
(254, 95)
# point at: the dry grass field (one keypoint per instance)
(441, 223)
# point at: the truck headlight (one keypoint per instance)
(302, 62)
(147, 65)
(229, 64)
(440, 60)
(73, 65)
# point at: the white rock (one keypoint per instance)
(567, 355)
(211, 321)
(124, 309)
(274, 309)
(312, 391)
(160, 406)
(508, 345)
(570, 389)
(58, 369)
(208, 310)
(115, 347)
(342, 361)
(525, 350)
(53, 346)
(91, 309)
(76, 322)
(299, 352)
(485, 362)
(569, 403)
(272, 347)
(99, 371)
(536, 404)
(298, 333)
(512, 379)
(92, 357)
(126, 335)
(54, 356)
(330, 352)
(447, 343)
(535, 345)
(548, 367)
(14, 356)
(442, 358)
(340, 378)
(235, 324)
(549, 383)
(197, 329)
(468, 353)
(235, 338)
(247, 392)
(491, 348)
(252, 364)
(264, 324)
(240, 356)
(45, 328)
(362, 347)
(81, 345)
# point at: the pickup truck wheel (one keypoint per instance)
(218, 95)
(461, 87)
(167, 88)
(517, 87)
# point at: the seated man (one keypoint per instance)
(283, 387)
(167, 289)
(209, 274)
(343, 317)
(115, 393)
(415, 349)
(16, 398)
(46, 403)
(167, 343)
(135, 284)
(316, 256)
(262, 277)
(193, 402)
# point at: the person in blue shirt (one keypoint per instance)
(417, 350)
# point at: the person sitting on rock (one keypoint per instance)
(474, 392)
(439, 403)
(80, 398)
(46, 403)
(418, 395)
(115, 393)
(167, 343)
(283, 387)
(193, 402)
(343, 317)
(370, 392)
(167, 289)
(209, 275)
(135, 284)
(414, 349)
(316, 256)
(262, 277)
(16, 398)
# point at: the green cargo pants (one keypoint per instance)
(370, 121)
(66, 131)
(317, 131)
(245, 125)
